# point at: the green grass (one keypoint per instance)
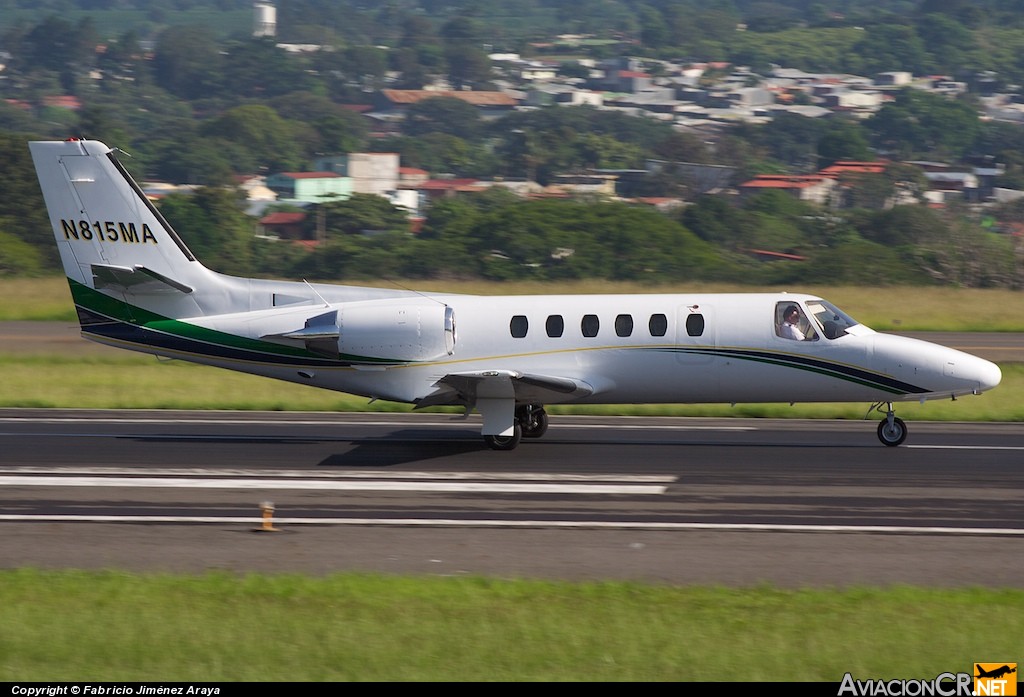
(219, 627)
(36, 299)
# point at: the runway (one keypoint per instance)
(673, 500)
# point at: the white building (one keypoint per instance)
(264, 19)
(373, 172)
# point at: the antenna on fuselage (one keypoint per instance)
(326, 304)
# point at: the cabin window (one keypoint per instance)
(555, 326)
(519, 326)
(590, 325)
(658, 325)
(695, 324)
(624, 325)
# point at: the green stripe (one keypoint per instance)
(122, 311)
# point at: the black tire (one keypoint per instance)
(536, 425)
(892, 436)
(505, 442)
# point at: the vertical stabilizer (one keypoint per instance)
(115, 245)
(105, 227)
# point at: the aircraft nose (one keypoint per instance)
(983, 374)
(989, 375)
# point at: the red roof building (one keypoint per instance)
(814, 188)
(854, 167)
(286, 226)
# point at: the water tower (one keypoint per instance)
(264, 19)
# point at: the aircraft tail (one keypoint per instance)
(110, 236)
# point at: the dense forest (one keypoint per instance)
(184, 88)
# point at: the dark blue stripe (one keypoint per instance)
(817, 365)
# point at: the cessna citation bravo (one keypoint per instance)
(137, 286)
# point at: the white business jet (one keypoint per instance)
(136, 286)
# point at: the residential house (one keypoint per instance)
(562, 95)
(865, 101)
(841, 167)
(310, 187)
(895, 78)
(284, 226)
(255, 188)
(813, 188)
(490, 104)
(591, 183)
(412, 177)
(373, 172)
(446, 188)
(701, 178)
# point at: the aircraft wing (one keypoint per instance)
(468, 388)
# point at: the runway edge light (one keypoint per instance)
(267, 510)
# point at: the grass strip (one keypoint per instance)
(350, 627)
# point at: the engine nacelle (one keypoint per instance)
(370, 332)
(401, 330)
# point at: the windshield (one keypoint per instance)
(832, 321)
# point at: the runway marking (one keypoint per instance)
(578, 525)
(330, 485)
(307, 474)
(965, 447)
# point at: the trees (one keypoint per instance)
(22, 215)
(264, 138)
(257, 68)
(362, 214)
(843, 140)
(468, 63)
(448, 115)
(187, 62)
(504, 238)
(923, 125)
(212, 224)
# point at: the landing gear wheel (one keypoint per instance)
(505, 442)
(534, 421)
(892, 434)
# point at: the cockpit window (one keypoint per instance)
(832, 321)
(792, 324)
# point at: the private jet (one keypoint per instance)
(136, 286)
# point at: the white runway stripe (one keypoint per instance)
(580, 525)
(329, 485)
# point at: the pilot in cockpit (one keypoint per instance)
(790, 328)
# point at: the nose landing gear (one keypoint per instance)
(891, 430)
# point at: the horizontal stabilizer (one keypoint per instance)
(137, 280)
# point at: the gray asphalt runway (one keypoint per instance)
(735, 502)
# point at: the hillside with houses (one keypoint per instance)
(338, 159)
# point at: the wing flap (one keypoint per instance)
(467, 388)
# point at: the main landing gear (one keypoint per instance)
(891, 430)
(531, 422)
